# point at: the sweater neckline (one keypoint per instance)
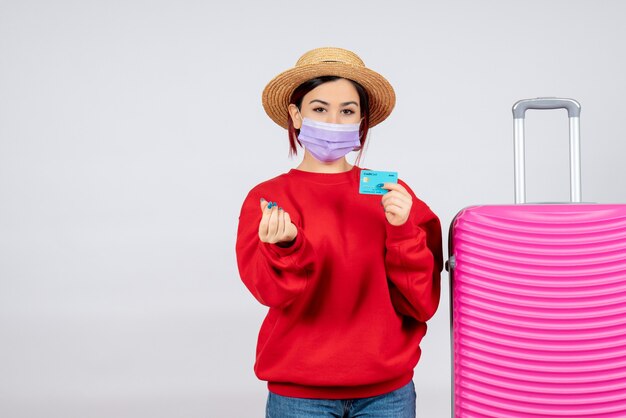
(325, 178)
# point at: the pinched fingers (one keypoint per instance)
(272, 224)
(269, 222)
(275, 225)
(266, 210)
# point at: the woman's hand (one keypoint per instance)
(275, 226)
(397, 203)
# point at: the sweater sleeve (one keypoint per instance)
(274, 275)
(414, 260)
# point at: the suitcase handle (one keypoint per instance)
(543, 103)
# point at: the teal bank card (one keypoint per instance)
(372, 181)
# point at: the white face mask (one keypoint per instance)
(329, 141)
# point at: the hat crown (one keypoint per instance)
(320, 55)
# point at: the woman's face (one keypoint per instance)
(332, 102)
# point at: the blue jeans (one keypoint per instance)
(399, 403)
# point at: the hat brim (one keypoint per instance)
(277, 93)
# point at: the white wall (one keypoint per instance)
(130, 132)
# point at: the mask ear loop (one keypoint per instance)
(362, 148)
(301, 122)
(300, 114)
(358, 148)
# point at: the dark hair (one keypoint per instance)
(304, 88)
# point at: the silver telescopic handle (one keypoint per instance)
(519, 114)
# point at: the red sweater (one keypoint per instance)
(348, 301)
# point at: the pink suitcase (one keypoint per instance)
(538, 300)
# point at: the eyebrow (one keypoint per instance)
(326, 103)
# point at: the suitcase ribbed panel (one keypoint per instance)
(539, 311)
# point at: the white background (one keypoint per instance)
(131, 131)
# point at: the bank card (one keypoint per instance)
(372, 181)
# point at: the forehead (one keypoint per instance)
(340, 91)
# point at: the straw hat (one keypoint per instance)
(328, 61)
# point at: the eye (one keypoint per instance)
(347, 112)
(319, 109)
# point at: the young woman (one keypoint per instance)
(350, 279)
